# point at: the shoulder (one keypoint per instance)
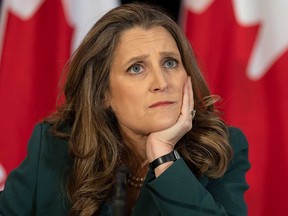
(237, 139)
(39, 181)
(44, 131)
(43, 141)
(53, 166)
(239, 145)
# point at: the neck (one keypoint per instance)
(136, 143)
(135, 156)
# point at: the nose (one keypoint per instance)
(159, 81)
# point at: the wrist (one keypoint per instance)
(170, 157)
(156, 153)
(156, 148)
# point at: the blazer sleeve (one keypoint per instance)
(177, 192)
(19, 192)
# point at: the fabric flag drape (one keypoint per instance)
(36, 39)
(243, 49)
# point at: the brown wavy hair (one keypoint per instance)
(94, 139)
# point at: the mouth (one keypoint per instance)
(161, 104)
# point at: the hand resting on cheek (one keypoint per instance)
(162, 142)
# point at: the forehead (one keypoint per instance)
(138, 39)
(156, 32)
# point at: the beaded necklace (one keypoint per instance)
(133, 181)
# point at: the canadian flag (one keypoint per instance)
(36, 39)
(243, 49)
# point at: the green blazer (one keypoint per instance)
(37, 186)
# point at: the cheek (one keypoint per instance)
(124, 101)
(180, 82)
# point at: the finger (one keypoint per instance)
(185, 109)
(190, 92)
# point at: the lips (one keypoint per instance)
(161, 103)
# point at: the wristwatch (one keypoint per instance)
(172, 156)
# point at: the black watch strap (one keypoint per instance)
(172, 156)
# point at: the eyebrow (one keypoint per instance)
(135, 59)
(141, 57)
(170, 53)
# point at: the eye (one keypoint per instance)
(135, 69)
(170, 63)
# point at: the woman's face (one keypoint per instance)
(146, 81)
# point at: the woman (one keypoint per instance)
(134, 96)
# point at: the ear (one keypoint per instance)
(106, 100)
